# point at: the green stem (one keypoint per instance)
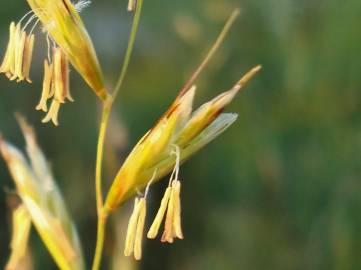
(107, 105)
(102, 221)
(130, 47)
(106, 110)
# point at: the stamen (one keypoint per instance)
(65, 74)
(28, 55)
(15, 38)
(135, 231)
(154, 229)
(19, 54)
(134, 238)
(132, 4)
(170, 203)
(53, 113)
(61, 76)
(140, 229)
(58, 76)
(168, 226)
(47, 85)
(9, 58)
(132, 225)
(177, 225)
(56, 85)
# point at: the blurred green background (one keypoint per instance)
(281, 189)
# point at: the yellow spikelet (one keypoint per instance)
(63, 23)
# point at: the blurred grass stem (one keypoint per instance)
(106, 110)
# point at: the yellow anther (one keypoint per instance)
(53, 113)
(19, 56)
(65, 73)
(177, 225)
(61, 76)
(132, 4)
(58, 76)
(56, 85)
(140, 229)
(134, 237)
(9, 59)
(132, 227)
(173, 226)
(28, 56)
(168, 226)
(47, 85)
(154, 229)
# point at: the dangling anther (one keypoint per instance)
(55, 84)
(134, 237)
(132, 5)
(18, 56)
(170, 207)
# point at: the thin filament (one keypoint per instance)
(177, 164)
(149, 183)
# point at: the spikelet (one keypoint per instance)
(209, 111)
(43, 201)
(62, 21)
(178, 126)
(151, 147)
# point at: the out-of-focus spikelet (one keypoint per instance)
(38, 191)
(21, 225)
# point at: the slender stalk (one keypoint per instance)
(102, 221)
(212, 51)
(128, 54)
(107, 105)
(106, 110)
